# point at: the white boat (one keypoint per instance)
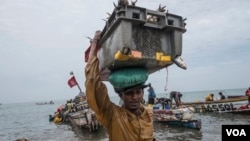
(234, 104)
(180, 117)
(84, 119)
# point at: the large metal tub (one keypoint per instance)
(136, 36)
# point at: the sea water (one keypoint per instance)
(31, 121)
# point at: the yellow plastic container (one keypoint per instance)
(158, 55)
(166, 58)
(121, 57)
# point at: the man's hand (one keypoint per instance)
(97, 36)
(94, 47)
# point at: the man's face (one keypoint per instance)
(132, 98)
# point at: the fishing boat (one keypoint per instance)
(243, 109)
(235, 104)
(193, 124)
(179, 117)
(84, 119)
(77, 112)
(45, 103)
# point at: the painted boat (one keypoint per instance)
(185, 113)
(79, 116)
(85, 119)
(243, 109)
(44, 103)
(194, 124)
(179, 117)
(229, 105)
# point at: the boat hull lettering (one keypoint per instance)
(221, 107)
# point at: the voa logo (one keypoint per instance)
(236, 132)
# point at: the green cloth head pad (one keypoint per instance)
(128, 77)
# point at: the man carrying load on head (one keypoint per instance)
(129, 122)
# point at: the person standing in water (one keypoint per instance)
(151, 94)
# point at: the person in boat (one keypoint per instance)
(69, 108)
(165, 102)
(51, 118)
(129, 122)
(222, 96)
(57, 118)
(247, 93)
(176, 96)
(210, 97)
(151, 94)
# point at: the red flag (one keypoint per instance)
(72, 82)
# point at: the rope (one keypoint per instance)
(165, 88)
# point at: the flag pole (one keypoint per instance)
(71, 73)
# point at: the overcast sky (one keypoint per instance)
(41, 41)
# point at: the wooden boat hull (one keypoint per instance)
(230, 105)
(179, 117)
(44, 103)
(84, 120)
(243, 109)
(194, 124)
(173, 114)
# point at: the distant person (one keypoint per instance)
(57, 117)
(51, 118)
(176, 96)
(222, 96)
(151, 94)
(247, 93)
(210, 97)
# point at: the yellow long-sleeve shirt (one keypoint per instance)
(120, 123)
(209, 98)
